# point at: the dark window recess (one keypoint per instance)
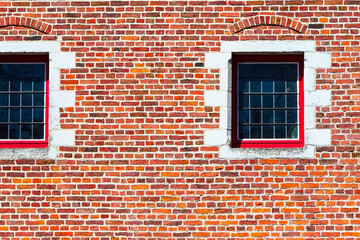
(23, 99)
(267, 101)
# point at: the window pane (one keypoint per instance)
(255, 131)
(39, 100)
(14, 131)
(26, 84)
(280, 131)
(4, 131)
(38, 115)
(244, 132)
(292, 131)
(279, 116)
(255, 101)
(4, 99)
(292, 116)
(244, 101)
(267, 85)
(268, 116)
(268, 131)
(39, 85)
(26, 100)
(14, 114)
(38, 131)
(268, 101)
(15, 84)
(280, 86)
(26, 115)
(279, 101)
(255, 86)
(243, 116)
(4, 115)
(4, 83)
(255, 116)
(15, 99)
(26, 131)
(292, 101)
(291, 86)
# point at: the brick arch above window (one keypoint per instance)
(25, 22)
(266, 20)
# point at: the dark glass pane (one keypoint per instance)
(14, 114)
(38, 131)
(268, 131)
(279, 116)
(26, 100)
(4, 99)
(291, 72)
(26, 84)
(268, 116)
(280, 131)
(39, 85)
(256, 71)
(243, 116)
(243, 71)
(15, 83)
(26, 130)
(255, 101)
(243, 86)
(255, 116)
(15, 69)
(274, 71)
(292, 116)
(292, 100)
(15, 99)
(279, 101)
(291, 86)
(268, 101)
(255, 131)
(39, 100)
(4, 83)
(292, 131)
(267, 86)
(26, 115)
(255, 86)
(39, 71)
(280, 86)
(244, 132)
(4, 115)
(4, 131)
(14, 131)
(27, 71)
(244, 101)
(38, 115)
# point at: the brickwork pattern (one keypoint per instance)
(139, 168)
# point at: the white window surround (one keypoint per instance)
(222, 98)
(57, 99)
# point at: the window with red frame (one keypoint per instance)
(24, 103)
(268, 101)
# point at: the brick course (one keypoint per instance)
(139, 168)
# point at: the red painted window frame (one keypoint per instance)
(266, 143)
(30, 143)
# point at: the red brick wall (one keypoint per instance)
(140, 169)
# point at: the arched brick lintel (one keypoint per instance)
(25, 22)
(268, 21)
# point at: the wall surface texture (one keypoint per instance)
(139, 114)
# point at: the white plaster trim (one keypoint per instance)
(57, 99)
(268, 46)
(222, 135)
(215, 137)
(62, 99)
(216, 98)
(29, 47)
(62, 59)
(63, 137)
